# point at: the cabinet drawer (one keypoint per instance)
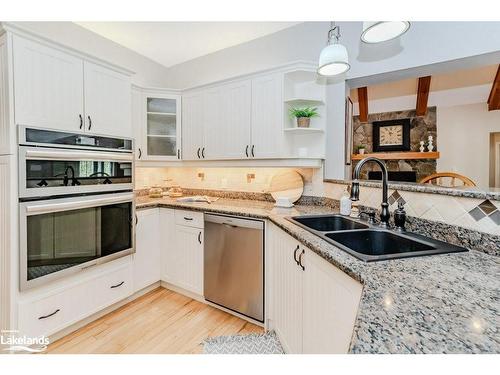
(189, 218)
(49, 314)
(113, 287)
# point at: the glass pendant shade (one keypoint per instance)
(333, 60)
(382, 31)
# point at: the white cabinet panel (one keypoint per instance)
(267, 116)
(147, 261)
(137, 123)
(330, 305)
(113, 286)
(286, 290)
(184, 259)
(107, 101)
(213, 118)
(167, 243)
(192, 126)
(48, 86)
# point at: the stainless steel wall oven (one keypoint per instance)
(76, 203)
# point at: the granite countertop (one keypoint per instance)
(436, 304)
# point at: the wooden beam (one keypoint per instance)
(363, 104)
(494, 98)
(424, 83)
(399, 155)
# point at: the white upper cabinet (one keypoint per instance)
(137, 122)
(107, 101)
(233, 132)
(192, 125)
(48, 87)
(59, 90)
(267, 117)
(161, 126)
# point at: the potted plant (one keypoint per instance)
(361, 149)
(303, 115)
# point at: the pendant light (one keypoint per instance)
(333, 59)
(382, 31)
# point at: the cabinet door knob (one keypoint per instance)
(90, 122)
(253, 155)
(300, 260)
(81, 121)
(295, 255)
(49, 315)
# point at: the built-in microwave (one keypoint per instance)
(53, 163)
(62, 236)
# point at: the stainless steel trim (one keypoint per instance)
(61, 154)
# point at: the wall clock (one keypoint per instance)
(391, 135)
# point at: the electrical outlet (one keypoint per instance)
(250, 177)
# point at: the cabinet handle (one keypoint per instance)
(300, 260)
(188, 218)
(199, 238)
(136, 219)
(253, 146)
(246, 151)
(178, 153)
(48, 316)
(203, 152)
(90, 122)
(140, 153)
(117, 285)
(198, 153)
(295, 255)
(81, 121)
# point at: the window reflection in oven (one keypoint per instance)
(52, 173)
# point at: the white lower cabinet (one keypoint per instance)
(66, 302)
(313, 303)
(147, 258)
(182, 253)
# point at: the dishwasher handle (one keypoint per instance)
(234, 221)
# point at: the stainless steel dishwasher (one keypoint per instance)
(234, 264)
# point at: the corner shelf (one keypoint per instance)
(298, 130)
(399, 155)
(304, 100)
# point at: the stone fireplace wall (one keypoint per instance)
(421, 127)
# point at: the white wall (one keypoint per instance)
(147, 72)
(464, 140)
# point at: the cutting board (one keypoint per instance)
(287, 184)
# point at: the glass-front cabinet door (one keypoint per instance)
(162, 133)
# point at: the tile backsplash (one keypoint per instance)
(476, 214)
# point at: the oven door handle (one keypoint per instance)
(31, 154)
(39, 209)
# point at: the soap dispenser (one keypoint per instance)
(400, 217)
(345, 203)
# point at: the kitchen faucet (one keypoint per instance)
(384, 213)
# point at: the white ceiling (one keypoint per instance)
(171, 43)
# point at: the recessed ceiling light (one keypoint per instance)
(382, 31)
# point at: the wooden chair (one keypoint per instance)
(436, 179)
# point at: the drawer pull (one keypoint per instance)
(48, 316)
(117, 285)
(188, 218)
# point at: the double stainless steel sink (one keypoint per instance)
(370, 242)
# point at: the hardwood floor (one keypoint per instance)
(161, 321)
